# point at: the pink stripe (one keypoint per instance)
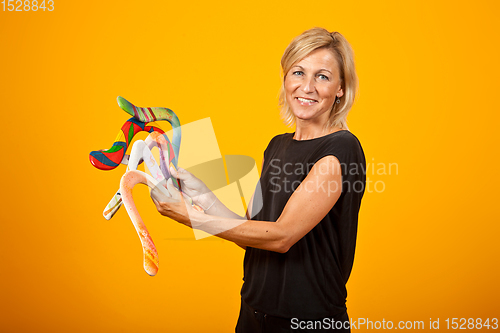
(145, 114)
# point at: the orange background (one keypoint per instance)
(427, 245)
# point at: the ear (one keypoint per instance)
(340, 92)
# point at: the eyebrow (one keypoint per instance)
(322, 69)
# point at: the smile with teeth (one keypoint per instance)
(306, 101)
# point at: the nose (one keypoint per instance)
(308, 85)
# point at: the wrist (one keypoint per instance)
(206, 200)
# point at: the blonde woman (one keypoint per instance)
(300, 244)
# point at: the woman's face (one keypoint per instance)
(312, 84)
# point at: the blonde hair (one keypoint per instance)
(300, 47)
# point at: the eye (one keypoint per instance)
(323, 77)
(297, 73)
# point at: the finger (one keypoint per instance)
(180, 173)
(157, 204)
(173, 172)
(159, 195)
(172, 190)
(187, 198)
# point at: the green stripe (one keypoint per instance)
(130, 133)
(113, 149)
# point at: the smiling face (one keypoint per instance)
(311, 86)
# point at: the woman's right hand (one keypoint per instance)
(194, 188)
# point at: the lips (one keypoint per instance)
(306, 101)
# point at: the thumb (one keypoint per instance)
(173, 172)
(173, 191)
(180, 173)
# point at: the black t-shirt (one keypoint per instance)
(308, 281)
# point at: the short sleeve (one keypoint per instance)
(346, 148)
(270, 147)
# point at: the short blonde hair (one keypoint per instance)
(300, 47)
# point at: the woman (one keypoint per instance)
(300, 245)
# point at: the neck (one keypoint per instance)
(308, 131)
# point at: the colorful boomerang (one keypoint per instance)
(111, 158)
(128, 181)
(141, 150)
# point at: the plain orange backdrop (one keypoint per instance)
(427, 244)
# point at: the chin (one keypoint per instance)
(304, 115)
(310, 116)
(302, 118)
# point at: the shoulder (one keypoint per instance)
(344, 137)
(341, 142)
(344, 145)
(281, 137)
(278, 140)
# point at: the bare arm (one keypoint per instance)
(220, 210)
(202, 196)
(217, 208)
(307, 206)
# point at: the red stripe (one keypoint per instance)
(136, 114)
(117, 156)
(152, 114)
